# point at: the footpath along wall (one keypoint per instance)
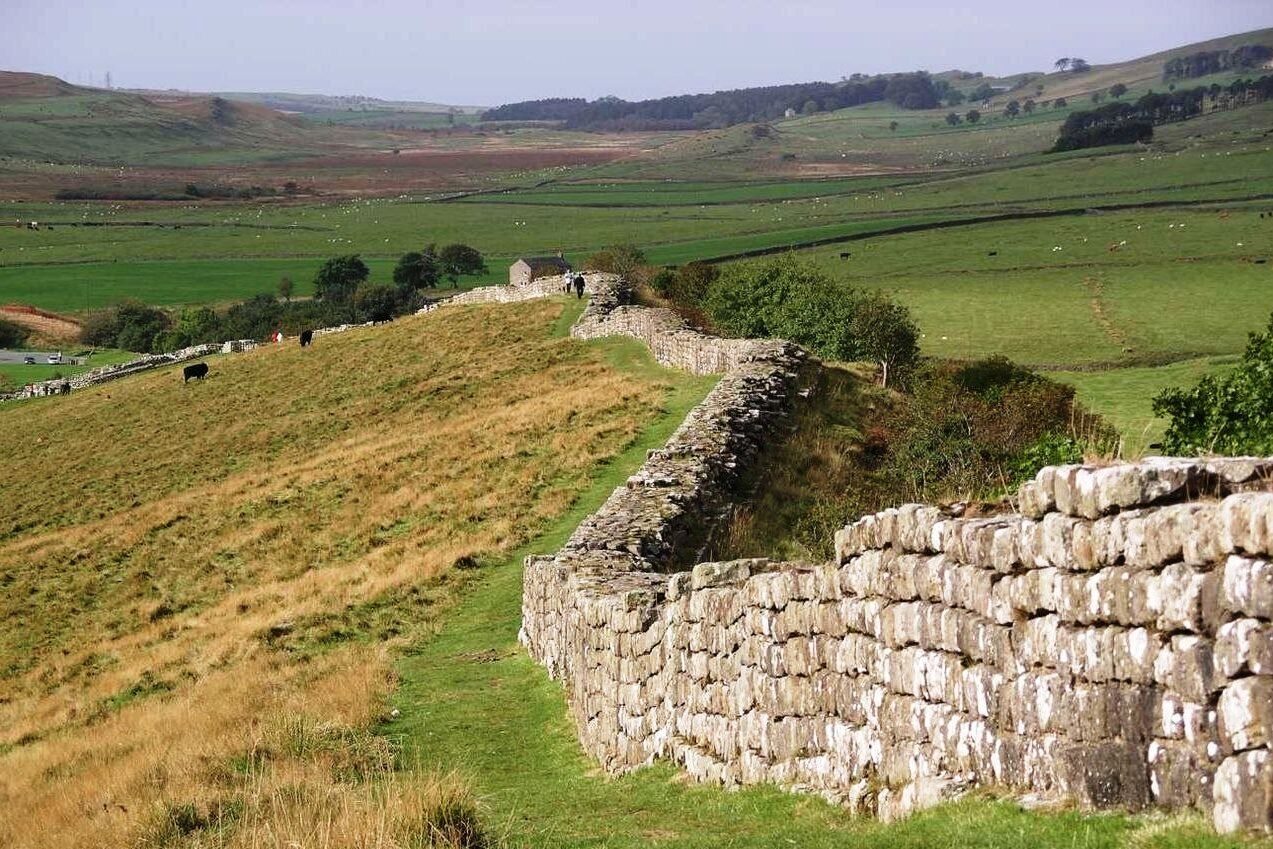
(1110, 643)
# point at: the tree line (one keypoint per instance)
(915, 90)
(955, 429)
(1124, 123)
(1206, 62)
(343, 294)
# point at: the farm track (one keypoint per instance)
(1100, 314)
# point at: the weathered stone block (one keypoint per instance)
(1243, 792)
(1247, 586)
(1246, 713)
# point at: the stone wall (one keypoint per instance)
(541, 288)
(1110, 644)
(105, 374)
(146, 362)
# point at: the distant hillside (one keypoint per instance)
(1142, 72)
(320, 103)
(922, 91)
(722, 108)
(16, 84)
(43, 117)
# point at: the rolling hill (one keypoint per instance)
(46, 119)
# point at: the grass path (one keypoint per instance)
(471, 700)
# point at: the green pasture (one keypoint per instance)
(1186, 283)
(858, 139)
(1123, 396)
(684, 193)
(14, 375)
(387, 119)
(239, 245)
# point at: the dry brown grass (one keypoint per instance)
(186, 569)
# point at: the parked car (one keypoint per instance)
(55, 359)
(28, 360)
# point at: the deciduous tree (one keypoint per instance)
(458, 260)
(339, 277)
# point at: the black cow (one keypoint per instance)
(307, 338)
(993, 253)
(65, 388)
(845, 255)
(198, 370)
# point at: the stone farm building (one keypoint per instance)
(528, 268)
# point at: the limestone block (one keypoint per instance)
(1180, 591)
(1247, 586)
(1065, 489)
(1058, 540)
(1035, 498)
(1246, 713)
(1178, 776)
(1243, 792)
(1246, 523)
(1186, 667)
(1107, 774)
(1244, 646)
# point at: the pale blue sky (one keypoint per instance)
(497, 51)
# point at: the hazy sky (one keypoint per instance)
(496, 51)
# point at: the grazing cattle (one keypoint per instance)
(198, 370)
(993, 253)
(846, 254)
(307, 338)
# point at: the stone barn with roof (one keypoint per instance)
(528, 268)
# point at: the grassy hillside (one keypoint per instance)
(200, 581)
(42, 118)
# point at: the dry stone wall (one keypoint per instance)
(1110, 643)
(146, 362)
(105, 374)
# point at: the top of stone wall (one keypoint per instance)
(1091, 491)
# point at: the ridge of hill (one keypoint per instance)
(18, 84)
(766, 103)
(286, 101)
(47, 119)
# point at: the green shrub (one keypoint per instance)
(1231, 414)
(794, 300)
(375, 302)
(339, 277)
(130, 325)
(787, 299)
(979, 430)
(623, 259)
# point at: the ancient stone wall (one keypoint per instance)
(541, 288)
(105, 374)
(1111, 644)
(146, 362)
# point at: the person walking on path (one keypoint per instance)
(579, 286)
